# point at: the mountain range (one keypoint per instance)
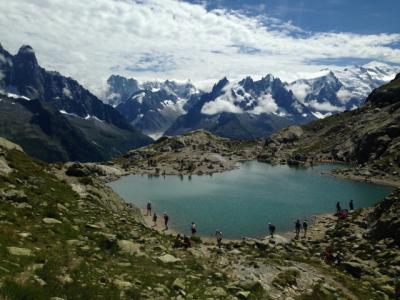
(244, 109)
(54, 118)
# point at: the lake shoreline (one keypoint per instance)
(318, 225)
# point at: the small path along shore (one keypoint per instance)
(316, 230)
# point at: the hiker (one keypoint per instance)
(305, 227)
(338, 208)
(148, 209)
(218, 235)
(193, 228)
(297, 228)
(271, 228)
(178, 241)
(186, 242)
(166, 220)
(154, 219)
(351, 205)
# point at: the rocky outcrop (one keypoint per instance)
(385, 219)
(198, 152)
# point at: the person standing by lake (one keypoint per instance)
(154, 219)
(297, 226)
(193, 228)
(271, 228)
(351, 205)
(148, 209)
(338, 208)
(305, 227)
(166, 220)
(218, 236)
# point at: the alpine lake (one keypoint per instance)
(241, 202)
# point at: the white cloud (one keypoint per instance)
(325, 106)
(219, 106)
(147, 39)
(266, 104)
(344, 95)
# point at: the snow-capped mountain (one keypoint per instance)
(332, 91)
(246, 109)
(151, 106)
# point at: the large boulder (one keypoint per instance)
(355, 269)
(19, 251)
(289, 135)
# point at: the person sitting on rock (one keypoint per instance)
(305, 227)
(271, 228)
(178, 241)
(344, 213)
(351, 205)
(166, 220)
(155, 219)
(218, 236)
(148, 209)
(297, 226)
(186, 242)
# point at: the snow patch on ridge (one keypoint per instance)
(15, 96)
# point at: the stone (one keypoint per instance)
(65, 279)
(16, 196)
(217, 292)
(19, 251)
(128, 247)
(122, 285)
(353, 268)
(243, 295)
(51, 221)
(168, 258)
(179, 284)
(24, 234)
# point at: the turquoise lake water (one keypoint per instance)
(242, 202)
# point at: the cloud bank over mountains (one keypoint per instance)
(147, 39)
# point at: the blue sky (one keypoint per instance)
(199, 40)
(358, 16)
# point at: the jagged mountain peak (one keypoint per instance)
(24, 49)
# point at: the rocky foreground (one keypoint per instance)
(65, 235)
